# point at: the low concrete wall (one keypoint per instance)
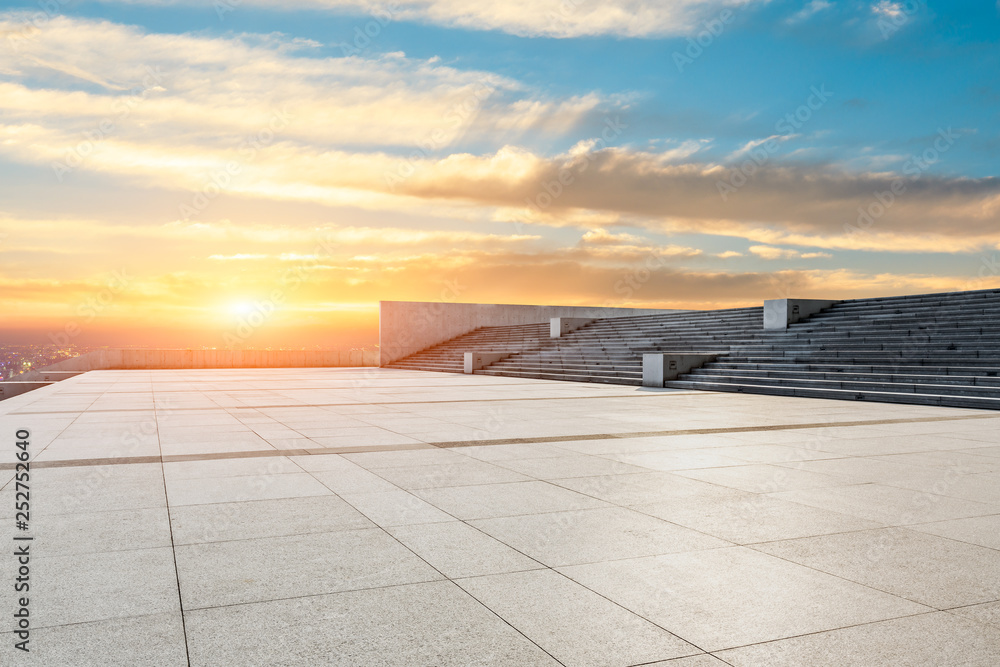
(44, 375)
(779, 313)
(406, 327)
(560, 326)
(660, 367)
(127, 359)
(475, 361)
(166, 359)
(10, 389)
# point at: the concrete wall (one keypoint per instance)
(779, 313)
(163, 359)
(660, 367)
(406, 327)
(11, 389)
(124, 359)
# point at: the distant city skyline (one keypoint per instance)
(253, 173)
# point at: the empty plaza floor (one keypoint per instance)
(388, 517)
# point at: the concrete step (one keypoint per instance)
(565, 377)
(986, 371)
(937, 349)
(884, 357)
(843, 394)
(846, 376)
(615, 371)
(853, 385)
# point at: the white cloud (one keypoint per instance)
(219, 91)
(340, 146)
(808, 11)
(888, 9)
(531, 18)
(754, 143)
(238, 257)
(601, 236)
(770, 252)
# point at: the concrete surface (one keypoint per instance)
(13, 388)
(385, 517)
(406, 327)
(560, 326)
(779, 313)
(474, 361)
(659, 367)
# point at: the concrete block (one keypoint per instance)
(43, 375)
(56, 376)
(560, 326)
(406, 327)
(659, 367)
(475, 361)
(779, 313)
(9, 389)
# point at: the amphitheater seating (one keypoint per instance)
(936, 349)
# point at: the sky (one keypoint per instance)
(253, 173)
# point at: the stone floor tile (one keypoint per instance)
(400, 626)
(723, 598)
(220, 522)
(457, 549)
(496, 500)
(926, 640)
(226, 573)
(928, 569)
(590, 536)
(156, 639)
(572, 623)
(200, 491)
(749, 517)
(396, 508)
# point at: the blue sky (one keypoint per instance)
(939, 67)
(729, 149)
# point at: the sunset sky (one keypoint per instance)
(180, 173)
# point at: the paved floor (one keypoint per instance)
(380, 517)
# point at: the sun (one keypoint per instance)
(241, 308)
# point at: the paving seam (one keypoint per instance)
(319, 451)
(678, 392)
